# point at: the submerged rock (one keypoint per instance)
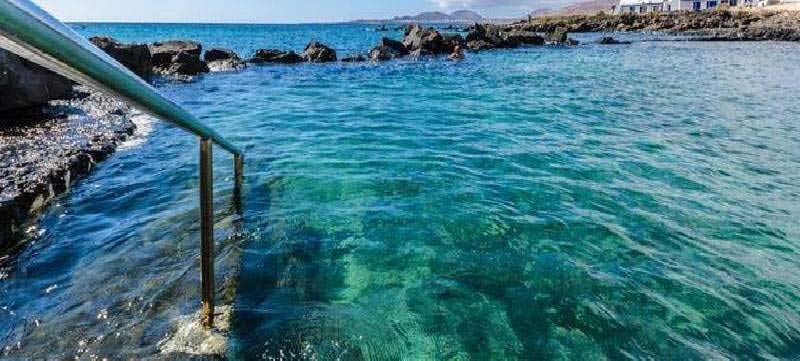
(275, 56)
(317, 52)
(607, 40)
(223, 60)
(388, 49)
(135, 57)
(24, 84)
(191, 338)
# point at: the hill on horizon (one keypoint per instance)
(438, 16)
(589, 7)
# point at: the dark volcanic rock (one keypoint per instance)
(428, 40)
(135, 57)
(478, 45)
(177, 57)
(516, 38)
(489, 36)
(24, 84)
(42, 155)
(420, 53)
(453, 40)
(275, 56)
(223, 60)
(164, 52)
(718, 24)
(219, 54)
(484, 35)
(559, 36)
(184, 64)
(317, 52)
(354, 59)
(388, 49)
(607, 40)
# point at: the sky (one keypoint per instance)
(275, 11)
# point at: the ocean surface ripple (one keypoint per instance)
(552, 203)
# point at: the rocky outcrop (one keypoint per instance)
(275, 56)
(42, 154)
(24, 84)
(428, 40)
(515, 38)
(177, 57)
(559, 36)
(317, 52)
(607, 40)
(135, 57)
(388, 49)
(488, 36)
(223, 60)
(719, 24)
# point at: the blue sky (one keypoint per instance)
(274, 11)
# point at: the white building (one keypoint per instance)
(646, 6)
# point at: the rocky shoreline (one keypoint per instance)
(180, 58)
(714, 25)
(46, 150)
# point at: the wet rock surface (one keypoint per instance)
(24, 84)
(317, 52)
(223, 60)
(44, 152)
(425, 40)
(275, 56)
(178, 57)
(135, 57)
(489, 36)
(607, 40)
(388, 49)
(559, 36)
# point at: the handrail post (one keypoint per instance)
(207, 232)
(238, 175)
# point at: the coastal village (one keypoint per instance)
(647, 6)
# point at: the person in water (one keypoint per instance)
(457, 54)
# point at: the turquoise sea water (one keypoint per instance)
(585, 203)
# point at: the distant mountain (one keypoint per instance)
(461, 16)
(590, 7)
(466, 15)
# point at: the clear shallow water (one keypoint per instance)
(633, 202)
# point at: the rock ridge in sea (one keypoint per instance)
(43, 153)
(718, 24)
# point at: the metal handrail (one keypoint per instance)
(32, 33)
